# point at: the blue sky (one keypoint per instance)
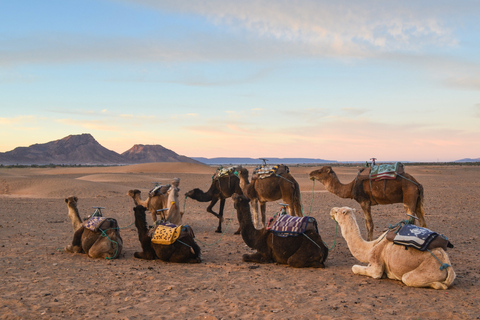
(338, 80)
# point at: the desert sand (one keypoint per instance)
(39, 280)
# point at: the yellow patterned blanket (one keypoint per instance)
(166, 234)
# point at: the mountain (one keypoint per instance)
(468, 160)
(140, 153)
(83, 149)
(253, 161)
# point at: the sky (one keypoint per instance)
(338, 80)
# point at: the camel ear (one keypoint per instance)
(76, 199)
(66, 200)
(328, 169)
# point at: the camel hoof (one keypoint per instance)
(218, 231)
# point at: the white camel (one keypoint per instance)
(413, 267)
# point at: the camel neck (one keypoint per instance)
(334, 186)
(74, 217)
(357, 245)
(249, 233)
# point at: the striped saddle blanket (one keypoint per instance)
(266, 171)
(94, 223)
(419, 238)
(287, 225)
(386, 171)
(167, 233)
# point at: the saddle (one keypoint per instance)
(286, 225)
(223, 172)
(386, 171)
(160, 189)
(409, 235)
(266, 171)
(94, 223)
(167, 233)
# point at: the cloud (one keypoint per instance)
(18, 120)
(91, 124)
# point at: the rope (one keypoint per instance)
(116, 243)
(443, 265)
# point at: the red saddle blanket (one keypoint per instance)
(286, 225)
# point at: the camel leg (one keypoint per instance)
(368, 219)
(154, 215)
(263, 209)
(416, 211)
(76, 246)
(428, 273)
(256, 257)
(256, 219)
(220, 216)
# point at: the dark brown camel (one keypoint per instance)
(222, 187)
(262, 190)
(296, 251)
(154, 203)
(183, 250)
(105, 242)
(403, 189)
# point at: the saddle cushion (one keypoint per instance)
(160, 189)
(94, 223)
(287, 225)
(419, 238)
(167, 233)
(223, 172)
(386, 171)
(266, 171)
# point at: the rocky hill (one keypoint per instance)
(83, 149)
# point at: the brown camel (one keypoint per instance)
(403, 189)
(222, 187)
(154, 203)
(183, 250)
(275, 187)
(304, 250)
(105, 242)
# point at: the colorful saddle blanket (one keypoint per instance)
(386, 171)
(419, 238)
(94, 223)
(287, 225)
(266, 171)
(160, 189)
(223, 172)
(167, 233)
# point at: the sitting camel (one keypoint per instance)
(222, 187)
(304, 250)
(275, 187)
(102, 242)
(183, 250)
(154, 203)
(413, 267)
(369, 193)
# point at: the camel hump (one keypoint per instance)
(224, 172)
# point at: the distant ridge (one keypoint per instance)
(468, 160)
(255, 161)
(83, 149)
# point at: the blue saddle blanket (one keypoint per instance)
(412, 236)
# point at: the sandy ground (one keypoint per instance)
(39, 280)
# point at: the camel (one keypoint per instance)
(183, 250)
(262, 190)
(299, 251)
(401, 189)
(222, 187)
(157, 202)
(105, 242)
(413, 267)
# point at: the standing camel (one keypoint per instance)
(275, 187)
(403, 189)
(153, 203)
(223, 186)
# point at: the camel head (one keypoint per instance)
(133, 193)
(340, 214)
(239, 199)
(321, 174)
(71, 201)
(242, 172)
(192, 193)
